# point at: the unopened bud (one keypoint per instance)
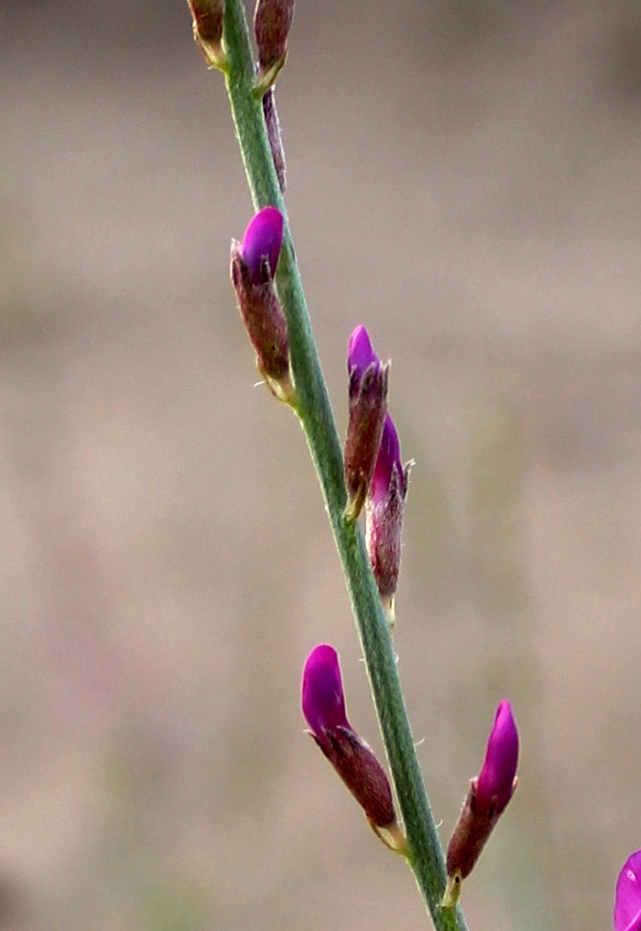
(384, 515)
(272, 22)
(207, 18)
(253, 265)
(323, 704)
(486, 800)
(368, 385)
(627, 901)
(262, 244)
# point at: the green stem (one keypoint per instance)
(315, 412)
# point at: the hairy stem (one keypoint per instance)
(315, 412)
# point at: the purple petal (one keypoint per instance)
(360, 353)
(323, 699)
(389, 455)
(263, 240)
(627, 902)
(496, 779)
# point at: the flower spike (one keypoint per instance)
(486, 800)
(627, 902)
(384, 515)
(368, 385)
(323, 703)
(253, 266)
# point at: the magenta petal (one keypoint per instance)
(389, 455)
(360, 353)
(263, 240)
(627, 901)
(323, 700)
(496, 779)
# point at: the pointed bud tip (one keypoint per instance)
(360, 353)
(627, 902)
(323, 700)
(496, 779)
(262, 241)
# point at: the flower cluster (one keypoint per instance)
(376, 483)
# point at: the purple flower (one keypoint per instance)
(496, 780)
(627, 901)
(262, 243)
(323, 699)
(487, 798)
(368, 383)
(324, 710)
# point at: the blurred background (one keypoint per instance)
(464, 178)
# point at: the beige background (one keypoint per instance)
(465, 179)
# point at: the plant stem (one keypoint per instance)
(315, 412)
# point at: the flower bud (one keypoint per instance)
(253, 265)
(272, 22)
(487, 798)
(384, 515)
(207, 18)
(368, 385)
(262, 244)
(323, 705)
(495, 785)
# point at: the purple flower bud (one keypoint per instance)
(389, 457)
(272, 22)
(495, 784)
(253, 263)
(384, 515)
(323, 699)
(262, 243)
(486, 800)
(368, 384)
(323, 704)
(627, 902)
